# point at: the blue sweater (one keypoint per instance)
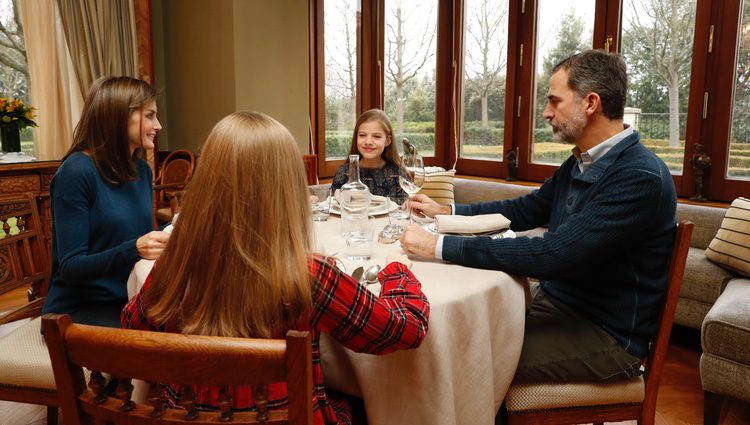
(607, 250)
(95, 226)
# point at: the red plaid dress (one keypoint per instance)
(350, 313)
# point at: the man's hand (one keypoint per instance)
(417, 241)
(423, 206)
(152, 244)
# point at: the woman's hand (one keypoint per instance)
(152, 244)
(398, 258)
(422, 205)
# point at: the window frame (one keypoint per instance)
(710, 73)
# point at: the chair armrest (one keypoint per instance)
(29, 310)
(180, 185)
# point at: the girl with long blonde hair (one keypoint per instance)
(238, 264)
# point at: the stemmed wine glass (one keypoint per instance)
(411, 175)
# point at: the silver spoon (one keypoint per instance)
(371, 275)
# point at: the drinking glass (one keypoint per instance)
(398, 218)
(359, 242)
(411, 175)
(320, 200)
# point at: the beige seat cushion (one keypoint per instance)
(731, 245)
(552, 395)
(24, 359)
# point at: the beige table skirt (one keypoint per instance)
(462, 370)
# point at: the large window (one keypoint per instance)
(341, 24)
(484, 78)
(410, 34)
(467, 80)
(657, 41)
(14, 70)
(564, 28)
(739, 139)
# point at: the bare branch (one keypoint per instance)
(10, 63)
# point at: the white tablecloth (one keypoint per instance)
(462, 370)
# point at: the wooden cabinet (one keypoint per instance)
(34, 177)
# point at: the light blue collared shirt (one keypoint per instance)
(585, 159)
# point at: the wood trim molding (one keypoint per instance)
(142, 9)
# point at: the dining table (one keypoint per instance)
(464, 366)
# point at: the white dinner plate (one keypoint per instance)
(379, 208)
(432, 228)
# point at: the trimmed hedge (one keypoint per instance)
(483, 136)
(337, 143)
(423, 141)
(544, 134)
(422, 135)
(417, 127)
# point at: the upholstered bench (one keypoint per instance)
(704, 280)
(725, 337)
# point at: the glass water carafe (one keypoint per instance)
(355, 202)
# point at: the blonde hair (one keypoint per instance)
(390, 153)
(236, 262)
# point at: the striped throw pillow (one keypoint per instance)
(731, 245)
(438, 185)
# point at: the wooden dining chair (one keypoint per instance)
(159, 358)
(175, 173)
(25, 369)
(311, 168)
(563, 403)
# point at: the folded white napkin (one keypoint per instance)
(375, 200)
(471, 224)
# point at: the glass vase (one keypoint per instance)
(10, 135)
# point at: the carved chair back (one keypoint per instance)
(311, 168)
(23, 257)
(176, 171)
(188, 360)
(177, 168)
(25, 374)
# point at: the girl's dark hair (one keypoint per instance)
(102, 131)
(390, 153)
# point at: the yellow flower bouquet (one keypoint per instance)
(14, 111)
(15, 115)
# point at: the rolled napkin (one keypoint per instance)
(471, 224)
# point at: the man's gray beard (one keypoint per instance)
(570, 131)
(559, 137)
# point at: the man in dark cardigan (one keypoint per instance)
(610, 210)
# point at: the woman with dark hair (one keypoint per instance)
(102, 203)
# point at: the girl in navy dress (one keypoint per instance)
(378, 155)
